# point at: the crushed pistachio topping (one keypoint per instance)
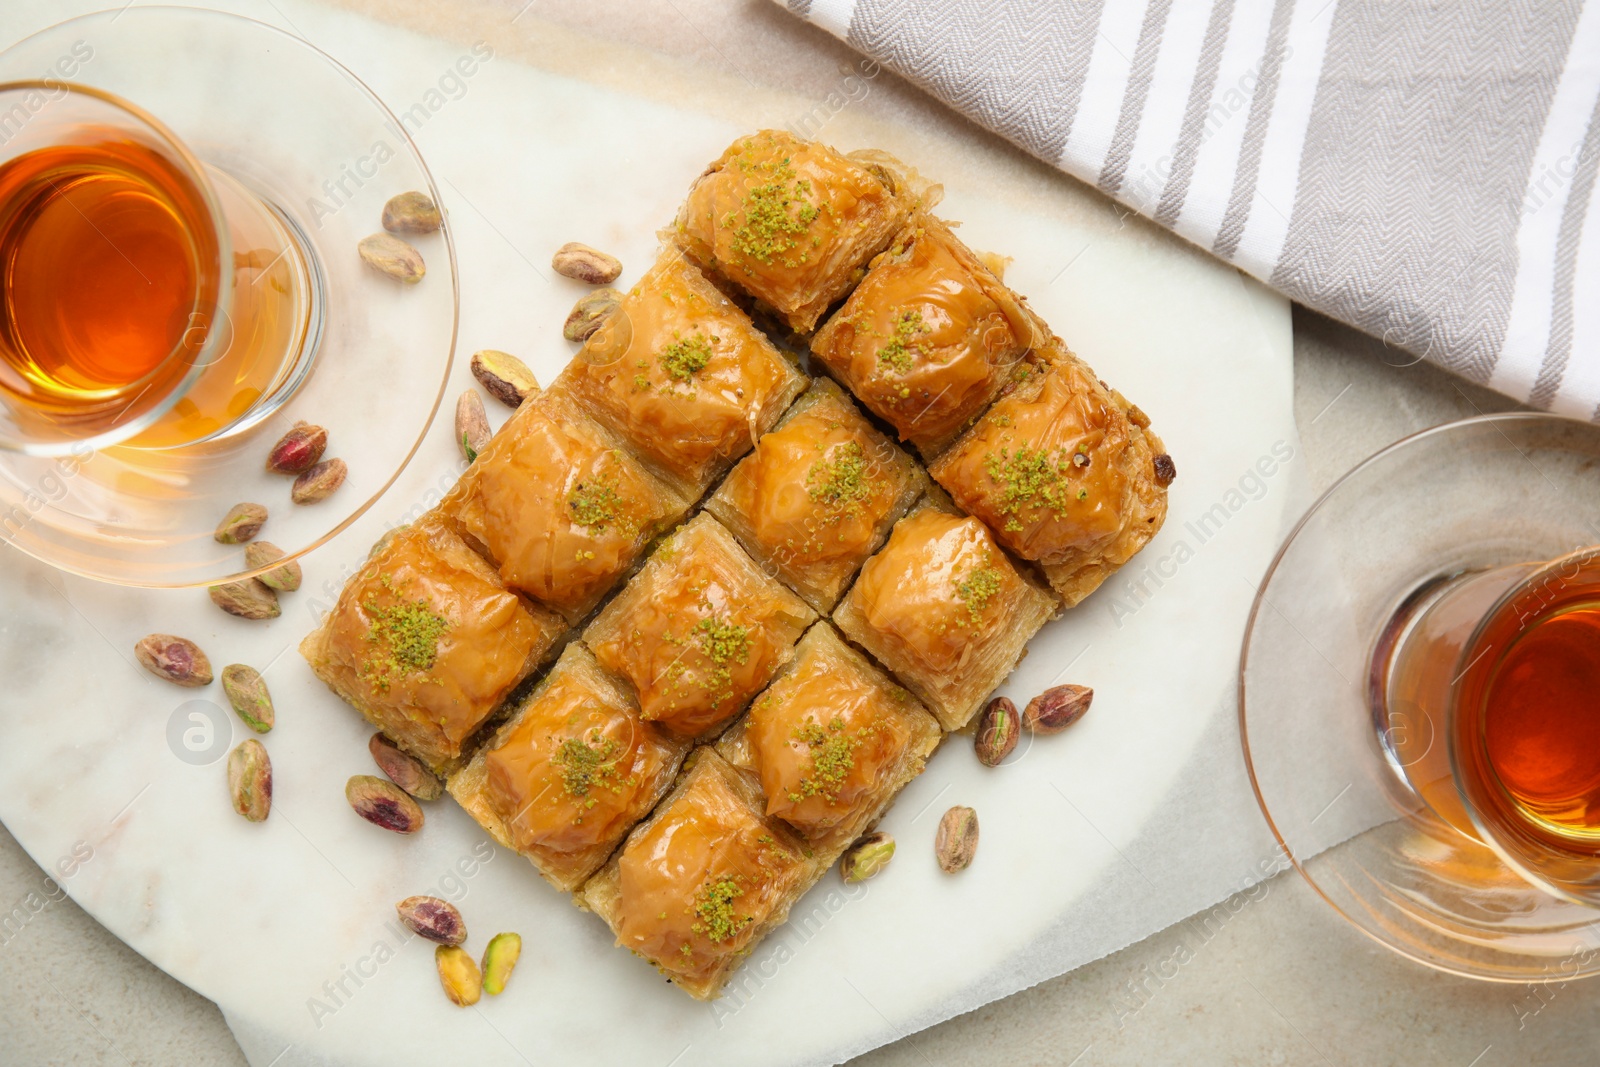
(724, 644)
(682, 359)
(1029, 478)
(406, 639)
(585, 765)
(978, 588)
(595, 504)
(713, 909)
(832, 753)
(840, 482)
(903, 347)
(776, 212)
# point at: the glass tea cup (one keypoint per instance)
(146, 298)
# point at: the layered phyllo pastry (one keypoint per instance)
(682, 375)
(790, 222)
(560, 506)
(571, 772)
(943, 607)
(832, 740)
(700, 883)
(699, 630)
(929, 337)
(818, 495)
(426, 642)
(1065, 472)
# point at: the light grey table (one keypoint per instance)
(1272, 977)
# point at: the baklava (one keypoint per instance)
(1065, 472)
(818, 495)
(426, 642)
(698, 885)
(790, 222)
(682, 375)
(832, 740)
(929, 337)
(572, 771)
(560, 506)
(699, 630)
(944, 608)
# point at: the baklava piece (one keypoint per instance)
(682, 375)
(928, 338)
(560, 506)
(945, 609)
(699, 630)
(571, 773)
(426, 642)
(818, 495)
(1066, 473)
(832, 741)
(790, 222)
(697, 886)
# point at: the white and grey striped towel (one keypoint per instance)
(1420, 169)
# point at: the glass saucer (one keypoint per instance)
(1485, 492)
(298, 129)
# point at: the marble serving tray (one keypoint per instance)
(114, 780)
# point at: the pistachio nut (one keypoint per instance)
(389, 255)
(404, 770)
(177, 659)
(247, 692)
(316, 484)
(585, 264)
(411, 212)
(591, 310)
(382, 803)
(1057, 708)
(472, 425)
(241, 523)
(459, 974)
(499, 960)
(866, 857)
(249, 599)
(999, 727)
(250, 780)
(957, 839)
(298, 449)
(285, 579)
(506, 377)
(432, 918)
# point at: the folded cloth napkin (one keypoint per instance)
(1420, 170)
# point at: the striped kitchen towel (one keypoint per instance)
(1420, 169)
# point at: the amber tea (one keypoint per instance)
(138, 287)
(1492, 694)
